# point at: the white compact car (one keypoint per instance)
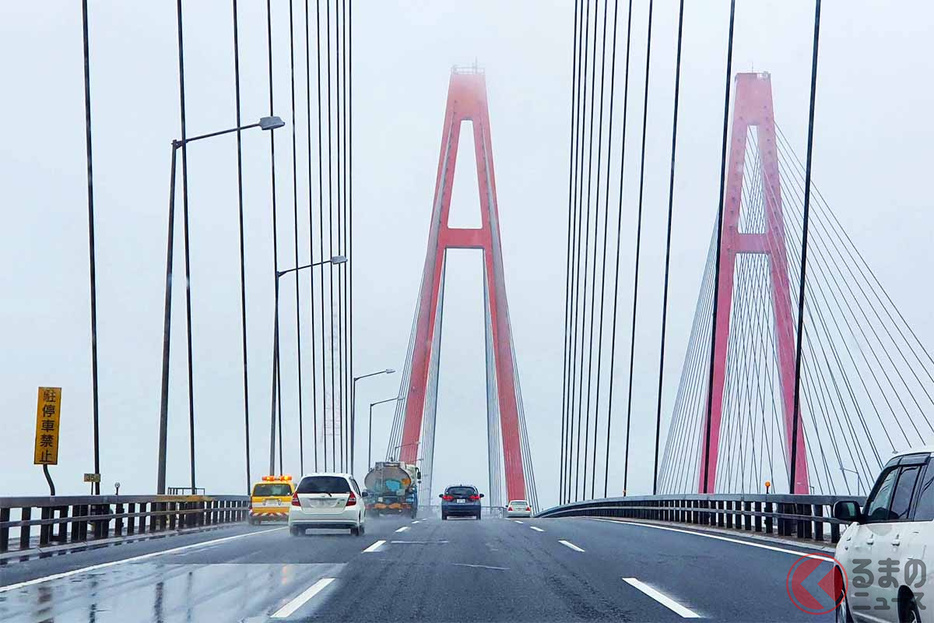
(330, 500)
(519, 508)
(887, 551)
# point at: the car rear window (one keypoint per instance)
(324, 484)
(466, 491)
(519, 503)
(272, 490)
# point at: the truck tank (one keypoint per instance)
(393, 488)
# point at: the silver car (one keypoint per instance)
(519, 508)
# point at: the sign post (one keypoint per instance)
(94, 479)
(48, 413)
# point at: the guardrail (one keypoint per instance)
(807, 517)
(82, 519)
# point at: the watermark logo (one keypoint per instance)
(813, 590)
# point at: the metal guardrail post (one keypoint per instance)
(118, 521)
(819, 523)
(45, 530)
(4, 530)
(26, 513)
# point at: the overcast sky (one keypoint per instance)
(871, 130)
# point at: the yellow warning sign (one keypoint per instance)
(48, 412)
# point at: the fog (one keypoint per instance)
(869, 156)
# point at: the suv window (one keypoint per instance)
(901, 499)
(877, 506)
(924, 507)
(324, 484)
(461, 491)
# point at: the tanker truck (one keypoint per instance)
(393, 489)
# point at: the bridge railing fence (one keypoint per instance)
(27, 523)
(805, 517)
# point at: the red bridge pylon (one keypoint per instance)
(413, 430)
(752, 107)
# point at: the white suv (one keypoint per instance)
(327, 501)
(889, 544)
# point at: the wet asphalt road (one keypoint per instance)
(428, 570)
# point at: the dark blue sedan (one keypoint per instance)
(460, 501)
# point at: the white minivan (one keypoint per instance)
(885, 551)
(328, 500)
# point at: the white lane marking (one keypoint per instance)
(374, 547)
(536, 528)
(402, 529)
(417, 521)
(517, 521)
(665, 600)
(724, 538)
(464, 564)
(570, 545)
(420, 542)
(114, 563)
(287, 610)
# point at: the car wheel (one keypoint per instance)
(361, 530)
(478, 516)
(355, 531)
(908, 609)
(296, 531)
(444, 517)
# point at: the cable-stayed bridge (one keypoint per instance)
(800, 379)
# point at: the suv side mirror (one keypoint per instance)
(440, 495)
(847, 511)
(481, 495)
(364, 494)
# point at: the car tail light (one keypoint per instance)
(351, 500)
(447, 498)
(295, 501)
(528, 508)
(474, 498)
(510, 508)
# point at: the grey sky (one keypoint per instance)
(869, 156)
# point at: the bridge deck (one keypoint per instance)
(494, 569)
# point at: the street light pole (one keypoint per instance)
(266, 123)
(353, 410)
(337, 259)
(369, 444)
(853, 471)
(406, 445)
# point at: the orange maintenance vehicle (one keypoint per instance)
(270, 499)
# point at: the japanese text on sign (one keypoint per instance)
(48, 413)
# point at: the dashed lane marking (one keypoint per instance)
(286, 611)
(374, 547)
(536, 528)
(570, 545)
(663, 599)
